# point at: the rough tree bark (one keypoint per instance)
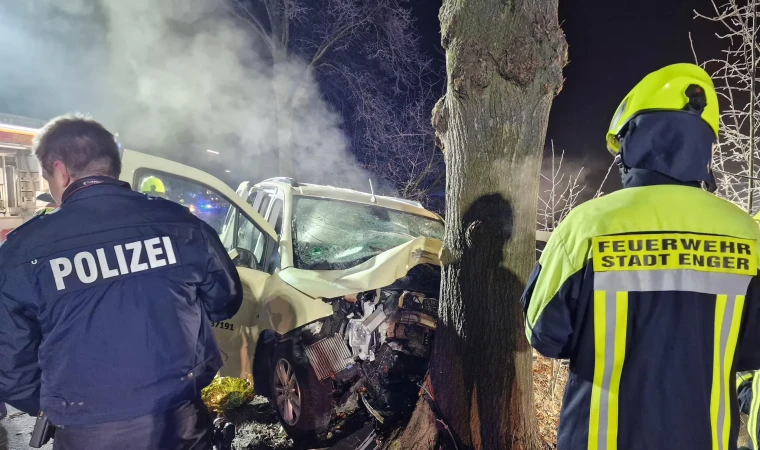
(504, 64)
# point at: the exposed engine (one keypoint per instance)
(376, 345)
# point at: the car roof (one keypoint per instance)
(293, 187)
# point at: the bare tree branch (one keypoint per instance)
(735, 75)
(599, 192)
(561, 195)
(367, 60)
(236, 7)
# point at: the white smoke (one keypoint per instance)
(173, 78)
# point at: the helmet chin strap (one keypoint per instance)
(711, 185)
(622, 168)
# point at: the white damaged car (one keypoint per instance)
(341, 290)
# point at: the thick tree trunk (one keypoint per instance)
(284, 116)
(504, 62)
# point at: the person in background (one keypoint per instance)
(153, 186)
(106, 305)
(746, 383)
(651, 284)
(47, 209)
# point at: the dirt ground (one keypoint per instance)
(258, 429)
(549, 379)
(16, 429)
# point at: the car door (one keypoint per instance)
(245, 233)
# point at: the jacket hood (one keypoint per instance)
(673, 143)
(643, 177)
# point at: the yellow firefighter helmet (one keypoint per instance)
(153, 186)
(677, 87)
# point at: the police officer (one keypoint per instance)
(106, 305)
(49, 208)
(651, 292)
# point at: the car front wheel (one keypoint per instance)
(303, 403)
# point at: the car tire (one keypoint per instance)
(305, 409)
(262, 366)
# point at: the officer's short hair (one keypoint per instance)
(82, 144)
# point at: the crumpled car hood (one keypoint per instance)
(377, 272)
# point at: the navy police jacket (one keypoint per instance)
(106, 304)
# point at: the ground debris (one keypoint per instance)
(257, 427)
(549, 380)
(227, 393)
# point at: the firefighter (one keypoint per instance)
(153, 186)
(106, 328)
(47, 209)
(746, 383)
(652, 283)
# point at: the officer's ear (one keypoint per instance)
(59, 178)
(60, 171)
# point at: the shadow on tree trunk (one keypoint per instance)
(475, 385)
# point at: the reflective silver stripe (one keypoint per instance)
(672, 280)
(725, 330)
(609, 364)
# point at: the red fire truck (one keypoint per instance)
(20, 175)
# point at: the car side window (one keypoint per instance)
(262, 246)
(235, 230)
(248, 236)
(203, 202)
(275, 216)
(272, 260)
(262, 209)
(259, 200)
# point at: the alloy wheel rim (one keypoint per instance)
(287, 392)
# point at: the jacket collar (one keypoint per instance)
(642, 177)
(84, 186)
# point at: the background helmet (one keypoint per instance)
(152, 186)
(46, 197)
(44, 211)
(678, 87)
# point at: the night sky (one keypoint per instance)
(612, 45)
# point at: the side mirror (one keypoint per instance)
(245, 258)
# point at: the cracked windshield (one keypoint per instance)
(336, 235)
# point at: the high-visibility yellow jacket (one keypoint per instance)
(44, 211)
(747, 389)
(652, 293)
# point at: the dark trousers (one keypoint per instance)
(185, 427)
